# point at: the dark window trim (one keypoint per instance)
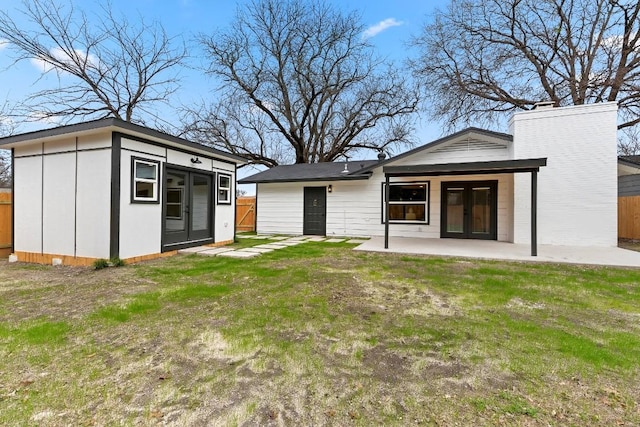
(133, 200)
(427, 211)
(224, 202)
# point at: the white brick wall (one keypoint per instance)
(577, 190)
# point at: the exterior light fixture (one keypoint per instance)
(329, 188)
(196, 160)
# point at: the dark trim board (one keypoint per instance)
(114, 247)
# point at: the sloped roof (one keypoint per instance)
(112, 123)
(635, 160)
(327, 171)
(333, 171)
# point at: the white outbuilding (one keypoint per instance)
(109, 189)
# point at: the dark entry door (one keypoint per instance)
(188, 207)
(315, 210)
(470, 210)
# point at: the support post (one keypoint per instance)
(534, 213)
(386, 212)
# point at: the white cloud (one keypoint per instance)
(381, 26)
(44, 65)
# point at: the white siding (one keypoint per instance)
(279, 208)
(577, 190)
(58, 214)
(141, 148)
(354, 208)
(184, 159)
(93, 204)
(140, 223)
(27, 199)
(458, 151)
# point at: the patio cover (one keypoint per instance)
(471, 168)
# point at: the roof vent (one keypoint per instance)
(346, 169)
(381, 156)
(543, 104)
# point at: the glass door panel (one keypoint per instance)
(480, 210)
(176, 208)
(455, 210)
(200, 206)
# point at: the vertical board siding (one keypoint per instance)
(629, 217)
(246, 213)
(5, 223)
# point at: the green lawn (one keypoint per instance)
(318, 334)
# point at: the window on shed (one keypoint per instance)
(145, 181)
(224, 189)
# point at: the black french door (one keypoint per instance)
(188, 207)
(469, 210)
(315, 209)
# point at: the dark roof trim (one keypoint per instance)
(118, 123)
(629, 161)
(469, 168)
(504, 136)
(345, 177)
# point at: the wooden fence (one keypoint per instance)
(246, 214)
(629, 217)
(5, 222)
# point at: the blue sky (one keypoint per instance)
(390, 24)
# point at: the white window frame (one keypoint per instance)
(134, 180)
(221, 188)
(424, 203)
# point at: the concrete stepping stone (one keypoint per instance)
(334, 240)
(279, 238)
(238, 254)
(245, 236)
(290, 242)
(194, 250)
(262, 237)
(316, 239)
(271, 246)
(256, 249)
(214, 251)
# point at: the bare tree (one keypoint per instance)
(300, 83)
(105, 68)
(7, 127)
(481, 58)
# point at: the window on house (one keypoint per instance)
(144, 181)
(224, 189)
(408, 202)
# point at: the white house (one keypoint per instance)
(109, 188)
(552, 180)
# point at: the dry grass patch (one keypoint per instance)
(320, 335)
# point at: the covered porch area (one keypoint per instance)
(505, 251)
(461, 227)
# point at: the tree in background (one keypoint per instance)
(7, 127)
(300, 83)
(482, 58)
(109, 67)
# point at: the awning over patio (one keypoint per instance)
(471, 168)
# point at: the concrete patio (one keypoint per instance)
(490, 249)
